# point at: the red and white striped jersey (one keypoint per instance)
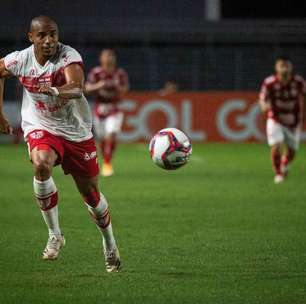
(71, 120)
(106, 99)
(285, 99)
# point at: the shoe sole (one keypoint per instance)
(117, 268)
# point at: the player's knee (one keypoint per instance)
(43, 166)
(276, 148)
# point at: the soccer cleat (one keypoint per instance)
(107, 170)
(54, 244)
(112, 260)
(278, 179)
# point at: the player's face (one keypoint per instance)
(283, 68)
(45, 39)
(108, 59)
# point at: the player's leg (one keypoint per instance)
(292, 140)
(98, 208)
(113, 126)
(275, 138)
(44, 158)
(276, 161)
(99, 128)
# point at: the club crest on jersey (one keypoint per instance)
(37, 134)
(89, 156)
(45, 81)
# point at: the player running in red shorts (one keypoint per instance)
(107, 82)
(56, 121)
(282, 98)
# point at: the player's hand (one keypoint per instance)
(47, 90)
(44, 90)
(100, 84)
(5, 126)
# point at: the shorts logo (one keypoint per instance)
(89, 156)
(37, 134)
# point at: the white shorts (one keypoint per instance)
(109, 125)
(277, 134)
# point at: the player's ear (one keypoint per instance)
(30, 37)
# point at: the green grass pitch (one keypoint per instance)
(215, 231)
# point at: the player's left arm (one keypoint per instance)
(124, 86)
(4, 124)
(74, 86)
(302, 113)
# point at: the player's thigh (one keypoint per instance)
(80, 159)
(275, 133)
(292, 138)
(44, 148)
(113, 123)
(99, 126)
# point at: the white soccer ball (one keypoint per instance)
(170, 149)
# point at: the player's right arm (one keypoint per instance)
(93, 87)
(4, 124)
(264, 99)
(93, 84)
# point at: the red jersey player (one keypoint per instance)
(56, 121)
(282, 98)
(107, 82)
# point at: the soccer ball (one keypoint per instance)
(170, 149)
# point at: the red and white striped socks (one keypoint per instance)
(98, 209)
(47, 197)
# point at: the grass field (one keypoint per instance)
(215, 231)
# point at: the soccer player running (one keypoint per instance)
(107, 83)
(282, 98)
(56, 121)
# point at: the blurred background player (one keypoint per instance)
(57, 123)
(282, 98)
(107, 83)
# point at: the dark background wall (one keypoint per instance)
(170, 40)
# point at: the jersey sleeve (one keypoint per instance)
(302, 85)
(71, 56)
(123, 78)
(264, 93)
(91, 77)
(13, 63)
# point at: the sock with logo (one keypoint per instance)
(47, 198)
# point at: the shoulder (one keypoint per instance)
(20, 55)
(121, 71)
(95, 70)
(15, 61)
(68, 55)
(269, 80)
(298, 78)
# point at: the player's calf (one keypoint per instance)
(99, 211)
(287, 158)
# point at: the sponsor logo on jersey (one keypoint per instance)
(11, 63)
(89, 156)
